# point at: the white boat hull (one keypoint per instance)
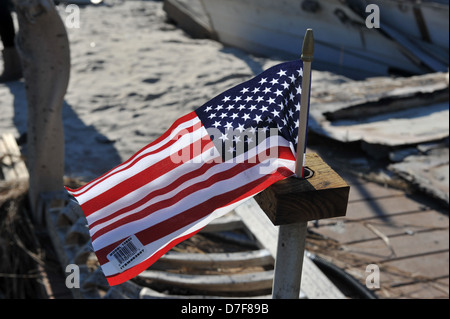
(343, 43)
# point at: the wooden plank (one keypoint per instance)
(402, 246)
(418, 268)
(382, 208)
(223, 283)
(147, 293)
(16, 157)
(348, 232)
(6, 163)
(227, 222)
(420, 290)
(366, 191)
(402, 279)
(260, 257)
(294, 200)
(315, 285)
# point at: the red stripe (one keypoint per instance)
(190, 175)
(223, 175)
(185, 118)
(137, 159)
(136, 270)
(142, 178)
(161, 204)
(198, 212)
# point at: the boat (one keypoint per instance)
(343, 43)
(418, 26)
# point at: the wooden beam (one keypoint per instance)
(294, 200)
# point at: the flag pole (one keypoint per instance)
(292, 237)
(307, 57)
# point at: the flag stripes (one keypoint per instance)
(177, 184)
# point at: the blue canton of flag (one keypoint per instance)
(268, 104)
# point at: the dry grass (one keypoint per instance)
(19, 251)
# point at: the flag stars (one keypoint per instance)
(271, 100)
(241, 128)
(224, 137)
(252, 107)
(229, 126)
(281, 73)
(280, 128)
(230, 107)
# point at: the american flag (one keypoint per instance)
(206, 164)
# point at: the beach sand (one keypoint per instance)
(133, 74)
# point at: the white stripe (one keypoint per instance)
(128, 165)
(139, 193)
(109, 269)
(141, 165)
(186, 203)
(164, 181)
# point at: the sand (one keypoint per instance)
(133, 74)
